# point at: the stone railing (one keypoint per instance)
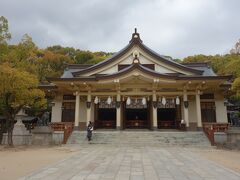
(211, 128)
(66, 127)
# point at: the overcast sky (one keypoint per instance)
(178, 28)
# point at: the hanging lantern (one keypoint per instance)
(144, 101)
(164, 101)
(177, 101)
(109, 100)
(128, 101)
(96, 101)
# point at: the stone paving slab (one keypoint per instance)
(101, 162)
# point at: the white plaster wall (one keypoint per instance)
(162, 69)
(57, 109)
(144, 60)
(192, 111)
(221, 110)
(127, 60)
(111, 70)
(92, 112)
(83, 112)
(182, 109)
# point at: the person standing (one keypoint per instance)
(89, 131)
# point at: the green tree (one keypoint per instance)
(83, 57)
(4, 36)
(17, 89)
(222, 65)
(4, 32)
(51, 64)
(236, 87)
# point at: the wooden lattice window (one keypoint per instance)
(208, 111)
(136, 104)
(69, 97)
(170, 103)
(207, 96)
(68, 111)
(105, 105)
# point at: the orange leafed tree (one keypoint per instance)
(18, 89)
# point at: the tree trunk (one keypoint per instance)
(10, 133)
(1, 136)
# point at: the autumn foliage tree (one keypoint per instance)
(18, 89)
(222, 65)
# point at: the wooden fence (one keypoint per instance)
(66, 127)
(211, 128)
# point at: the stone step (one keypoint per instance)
(153, 138)
(233, 128)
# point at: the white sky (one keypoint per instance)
(178, 28)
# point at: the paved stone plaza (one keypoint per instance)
(106, 162)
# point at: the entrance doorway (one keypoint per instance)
(105, 116)
(168, 115)
(136, 115)
(166, 118)
(136, 118)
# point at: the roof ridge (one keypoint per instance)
(137, 41)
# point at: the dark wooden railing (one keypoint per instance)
(211, 128)
(136, 124)
(66, 127)
(108, 124)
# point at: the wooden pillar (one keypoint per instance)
(118, 111)
(154, 111)
(198, 109)
(77, 114)
(185, 108)
(89, 106)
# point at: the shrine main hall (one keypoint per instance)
(136, 88)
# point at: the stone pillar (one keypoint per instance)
(198, 110)
(154, 110)
(185, 109)
(89, 105)
(77, 114)
(118, 111)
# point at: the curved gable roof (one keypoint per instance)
(137, 41)
(138, 66)
(135, 66)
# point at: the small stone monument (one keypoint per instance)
(42, 133)
(21, 136)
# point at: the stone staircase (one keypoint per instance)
(234, 129)
(142, 138)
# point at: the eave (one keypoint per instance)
(54, 79)
(143, 70)
(47, 86)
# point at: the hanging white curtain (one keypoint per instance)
(109, 100)
(144, 101)
(164, 101)
(177, 101)
(96, 100)
(128, 102)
